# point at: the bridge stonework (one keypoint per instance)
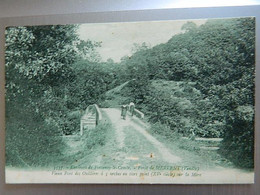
(90, 119)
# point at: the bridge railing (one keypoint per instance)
(91, 118)
(98, 114)
(136, 112)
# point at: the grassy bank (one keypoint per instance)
(189, 149)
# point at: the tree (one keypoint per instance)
(87, 50)
(40, 52)
(38, 60)
(189, 26)
(139, 47)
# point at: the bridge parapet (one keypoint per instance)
(91, 118)
(138, 113)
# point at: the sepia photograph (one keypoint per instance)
(163, 102)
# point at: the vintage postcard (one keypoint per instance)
(164, 102)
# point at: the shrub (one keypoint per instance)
(238, 143)
(164, 130)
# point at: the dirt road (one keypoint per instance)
(129, 144)
(123, 127)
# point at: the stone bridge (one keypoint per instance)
(93, 116)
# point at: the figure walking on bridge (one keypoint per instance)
(132, 108)
(123, 111)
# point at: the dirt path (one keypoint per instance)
(129, 144)
(121, 132)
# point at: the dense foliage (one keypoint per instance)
(43, 89)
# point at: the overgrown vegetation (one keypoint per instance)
(181, 106)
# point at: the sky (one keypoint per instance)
(118, 38)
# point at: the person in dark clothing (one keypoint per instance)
(132, 108)
(123, 111)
